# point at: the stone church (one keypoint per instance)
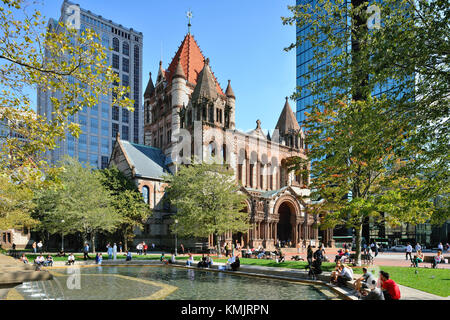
(188, 114)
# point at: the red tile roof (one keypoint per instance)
(192, 61)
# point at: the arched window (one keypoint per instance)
(212, 149)
(116, 45)
(145, 192)
(126, 48)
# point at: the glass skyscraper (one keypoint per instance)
(306, 66)
(100, 124)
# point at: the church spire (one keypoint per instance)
(189, 16)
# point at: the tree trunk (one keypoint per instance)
(125, 241)
(358, 233)
(217, 244)
(93, 241)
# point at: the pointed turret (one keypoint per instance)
(206, 86)
(287, 121)
(150, 88)
(179, 73)
(229, 92)
(161, 73)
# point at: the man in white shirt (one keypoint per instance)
(344, 276)
(39, 246)
(408, 251)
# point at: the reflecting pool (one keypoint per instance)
(161, 282)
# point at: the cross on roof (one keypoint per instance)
(189, 16)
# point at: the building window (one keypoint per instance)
(105, 128)
(126, 49)
(94, 144)
(125, 135)
(125, 115)
(105, 110)
(82, 142)
(115, 113)
(93, 159)
(116, 45)
(115, 61)
(94, 126)
(105, 146)
(125, 80)
(105, 162)
(115, 129)
(125, 65)
(145, 192)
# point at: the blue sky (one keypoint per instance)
(243, 39)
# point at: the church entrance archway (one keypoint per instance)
(284, 228)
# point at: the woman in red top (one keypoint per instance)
(391, 290)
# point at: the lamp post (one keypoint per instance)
(176, 224)
(62, 237)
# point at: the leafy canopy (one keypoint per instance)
(207, 199)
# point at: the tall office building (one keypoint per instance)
(100, 124)
(306, 66)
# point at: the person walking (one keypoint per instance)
(86, 251)
(418, 247)
(377, 247)
(34, 246)
(440, 247)
(145, 247)
(114, 252)
(408, 251)
(309, 256)
(182, 248)
(120, 246)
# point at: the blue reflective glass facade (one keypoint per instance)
(307, 71)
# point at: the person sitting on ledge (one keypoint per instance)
(202, 263)
(172, 258)
(163, 259)
(345, 275)
(70, 259)
(39, 261)
(61, 254)
(24, 258)
(236, 264)
(249, 252)
(128, 256)
(334, 274)
(209, 261)
(418, 258)
(49, 261)
(437, 259)
(190, 260)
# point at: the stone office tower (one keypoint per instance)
(187, 96)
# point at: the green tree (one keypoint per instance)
(354, 151)
(354, 54)
(68, 65)
(207, 200)
(15, 205)
(127, 201)
(82, 202)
